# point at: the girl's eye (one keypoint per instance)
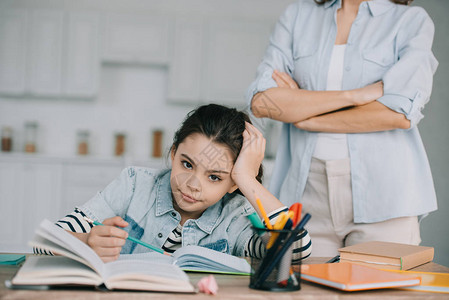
(214, 178)
(186, 164)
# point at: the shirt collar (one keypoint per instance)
(164, 204)
(376, 7)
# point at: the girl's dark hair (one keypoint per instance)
(221, 124)
(405, 2)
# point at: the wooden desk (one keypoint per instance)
(230, 287)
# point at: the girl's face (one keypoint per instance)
(201, 175)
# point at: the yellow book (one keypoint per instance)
(430, 281)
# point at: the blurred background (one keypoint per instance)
(88, 87)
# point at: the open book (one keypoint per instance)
(153, 271)
(80, 265)
(198, 259)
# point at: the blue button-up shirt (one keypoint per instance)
(143, 198)
(390, 172)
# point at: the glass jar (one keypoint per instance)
(31, 136)
(6, 139)
(120, 140)
(83, 142)
(158, 135)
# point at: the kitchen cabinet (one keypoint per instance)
(83, 63)
(34, 187)
(185, 72)
(234, 50)
(215, 60)
(84, 179)
(29, 192)
(136, 39)
(48, 53)
(13, 37)
(11, 206)
(45, 53)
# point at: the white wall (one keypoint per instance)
(434, 130)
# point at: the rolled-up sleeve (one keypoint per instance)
(278, 55)
(408, 83)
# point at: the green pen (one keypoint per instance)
(132, 239)
(257, 223)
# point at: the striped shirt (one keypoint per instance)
(255, 247)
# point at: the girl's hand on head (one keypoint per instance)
(283, 80)
(250, 158)
(107, 240)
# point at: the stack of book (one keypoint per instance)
(387, 255)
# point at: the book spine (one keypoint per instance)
(416, 259)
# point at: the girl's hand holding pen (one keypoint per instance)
(107, 241)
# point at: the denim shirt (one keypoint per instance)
(390, 171)
(143, 198)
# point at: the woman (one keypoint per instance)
(349, 79)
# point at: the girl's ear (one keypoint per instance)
(232, 189)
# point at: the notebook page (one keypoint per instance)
(73, 244)
(201, 258)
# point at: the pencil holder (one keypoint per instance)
(275, 271)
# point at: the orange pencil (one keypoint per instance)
(264, 214)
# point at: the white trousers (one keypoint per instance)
(328, 198)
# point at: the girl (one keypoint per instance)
(216, 162)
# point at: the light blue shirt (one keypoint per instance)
(143, 198)
(390, 172)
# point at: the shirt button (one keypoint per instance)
(159, 235)
(173, 214)
(348, 68)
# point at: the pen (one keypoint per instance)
(296, 208)
(257, 223)
(264, 214)
(334, 259)
(282, 219)
(132, 238)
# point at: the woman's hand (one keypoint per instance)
(359, 96)
(368, 93)
(283, 80)
(248, 162)
(107, 240)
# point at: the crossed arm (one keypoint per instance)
(352, 111)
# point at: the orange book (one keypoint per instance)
(386, 255)
(354, 277)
